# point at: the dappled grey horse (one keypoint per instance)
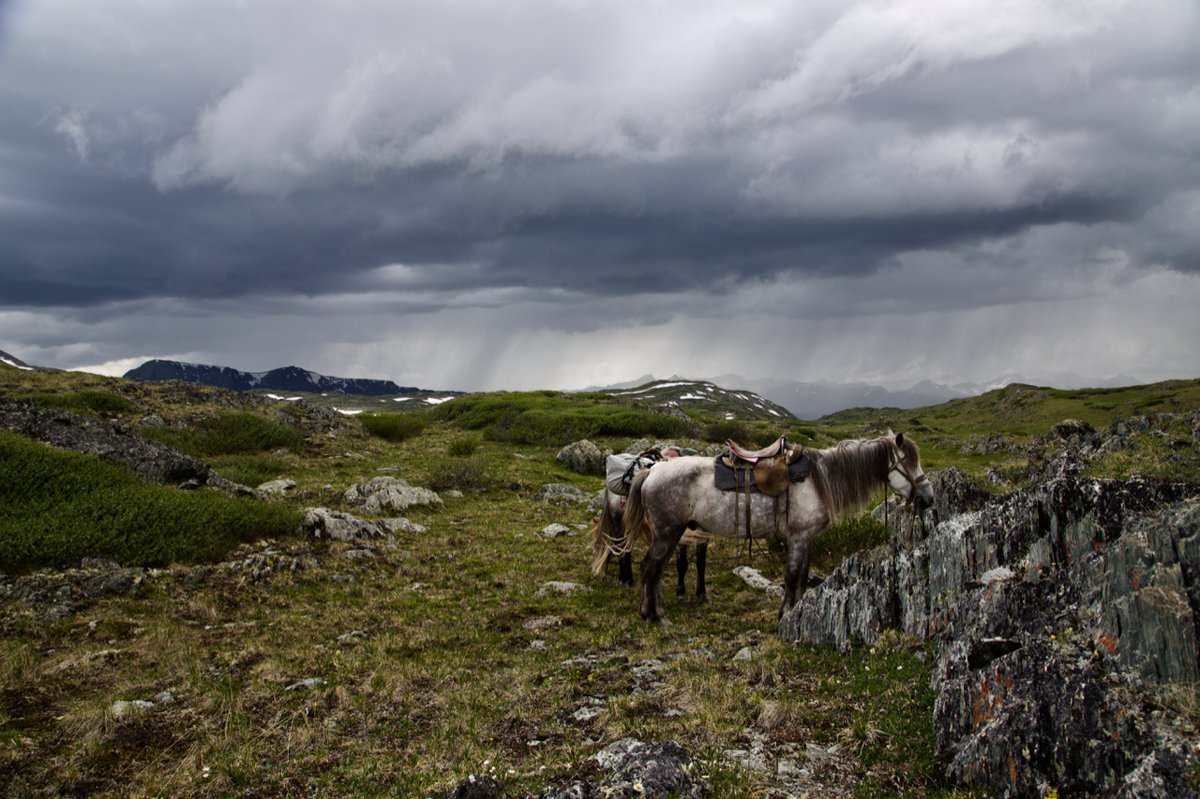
(677, 495)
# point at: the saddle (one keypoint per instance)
(767, 471)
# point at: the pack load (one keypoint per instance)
(620, 469)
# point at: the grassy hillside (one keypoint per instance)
(397, 668)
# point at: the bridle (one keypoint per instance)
(896, 464)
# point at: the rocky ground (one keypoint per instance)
(1064, 621)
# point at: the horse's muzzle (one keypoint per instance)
(924, 497)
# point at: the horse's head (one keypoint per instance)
(905, 474)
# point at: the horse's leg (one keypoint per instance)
(701, 562)
(625, 569)
(796, 577)
(661, 547)
(681, 567)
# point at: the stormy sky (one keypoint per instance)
(510, 195)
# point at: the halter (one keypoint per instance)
(896, 464)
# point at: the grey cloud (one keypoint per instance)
(408, 158)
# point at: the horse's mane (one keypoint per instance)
(848, 475)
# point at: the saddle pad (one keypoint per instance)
(725, 478)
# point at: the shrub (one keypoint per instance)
(59, 507)
(547, 418)
(86, 402)
(228, 434)
(724, 430)
(250, 470)
(462, 475)
(462, 447)
(393, 426)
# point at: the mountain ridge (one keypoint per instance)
(287, 378)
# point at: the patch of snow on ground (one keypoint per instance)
(349, 411)
(655, 388)
(437, 400)
(695, 397)
(401, 399)
(283, 399)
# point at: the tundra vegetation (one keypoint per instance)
(244, 658)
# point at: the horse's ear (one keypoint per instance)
(899, 439)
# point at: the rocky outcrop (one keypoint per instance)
(560, 493)
(583, 457)
(111, 441)
(389, 494)
(625, 769)
(334, 525)
(1058, 614)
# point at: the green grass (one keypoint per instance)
(59, 507)
(448, 677)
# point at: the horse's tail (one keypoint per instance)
(608, 537)
(635, 523)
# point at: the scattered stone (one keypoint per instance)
(555, 531)
(124, 709)
(339, 526)
(307, 684)
(561, 588)
(474, 787)
(274, 488)
(402, 525)
(164, 698)
(583, 457)
(560, 493)
(745, 653)
(754, 578)
(365, 553)
(636, 769)
(542, 623)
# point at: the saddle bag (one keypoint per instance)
(620, 469)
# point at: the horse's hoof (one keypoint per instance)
(682, 599)
(702, 599)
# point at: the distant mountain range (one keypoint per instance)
(814, 400)
(817, 399)
(289, 379)
(732, 394)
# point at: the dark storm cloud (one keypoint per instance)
(418, 157)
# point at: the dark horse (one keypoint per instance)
(675, 495)
(609, 540)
